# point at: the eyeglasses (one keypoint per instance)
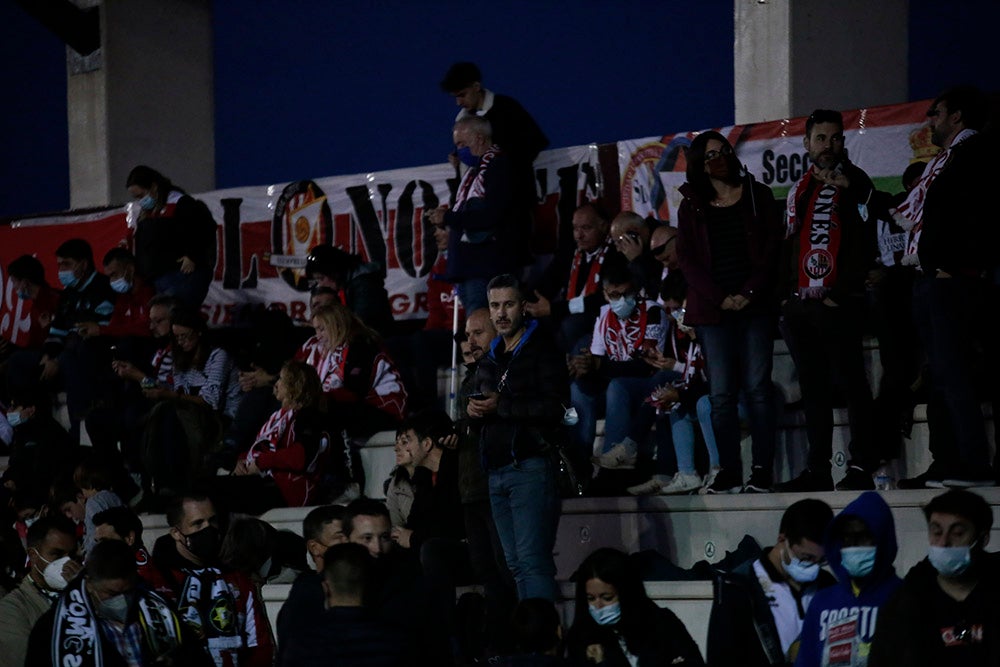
(711, 155)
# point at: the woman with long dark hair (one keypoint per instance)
(616, 624)
(729, 228)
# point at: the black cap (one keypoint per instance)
(459, 76)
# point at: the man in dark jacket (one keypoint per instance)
(759, 606)
(831, 247)
(946, 612)
(523, 384)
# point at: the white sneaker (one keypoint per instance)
(647, 488)
(681, 483)
(710, 477)
(619, 457)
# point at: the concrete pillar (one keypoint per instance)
(146, 97)
(793, 56)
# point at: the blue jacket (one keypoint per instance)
(842, 617)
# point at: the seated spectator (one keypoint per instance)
(260, 551)
(27, 280)
(121, 523)
(360, 285)
(175, 237)
(68, 500)
(631, 235)
(348, 632)
(623, 625)
(362, 386)
(51, 551)
(613, 369)
(109, 617)
(93, 477)
(287, 465)
(759, 606)
(70, 353)
(322, 528)
(131, 313)
(538, 635)
(191, 409)
(190, 576)
(38, 440)
(861, 548)
(570, 291)
(945, 613)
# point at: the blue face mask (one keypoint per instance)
(606, 615)
(14, 418)
(23, 294)
(147, 203)
(799, 571)
(121, 285)
(948, 561)
(623, 307)
(467, 158)
(858, 561)
(67, 278)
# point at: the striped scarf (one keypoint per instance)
(813, 209)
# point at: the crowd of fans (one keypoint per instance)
(664, 331)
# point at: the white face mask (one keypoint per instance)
(53, 573)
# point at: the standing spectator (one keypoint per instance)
(482, 236)
(51, 548)
(861, 549)
(728, 234)
(514, 130)
(359, 285)
(956, 266)
(831, 249)
(175, 237)
(27, 276)
(322, 528)
(615, 622)
(523, 384)
(570, 293)
(946, 614)
(759, 606)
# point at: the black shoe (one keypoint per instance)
(760, 481)
(727, 481)
(856, 479)
(807, 482)
(967, 477)
(932, 479)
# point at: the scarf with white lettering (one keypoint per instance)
(271, 434)
(813, 209)
(208, 607)
(910, 214)
(593, 274)
(76, 637)
(473, 183)
(622, 339)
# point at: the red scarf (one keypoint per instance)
(473, 183)
(819, 231)
(593, 275)
(621, 339)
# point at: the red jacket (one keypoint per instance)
(131, 314)
(291, 448)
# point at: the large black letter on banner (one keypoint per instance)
(371, 231)
(232, 249)
(403, 238)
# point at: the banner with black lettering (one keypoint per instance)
(883, 141)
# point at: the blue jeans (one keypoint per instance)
(739, 354)
(587, 396)
(525, 507)
(472, 294)
(682, 430)
(624, 396)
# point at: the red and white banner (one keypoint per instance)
(881, 140)
(265, 232)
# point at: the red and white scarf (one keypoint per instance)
(910, 214)
(622, 339)
(473, 183)
(819, 229)
(593, 274)
(271, 433)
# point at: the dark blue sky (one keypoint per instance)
(314, 88)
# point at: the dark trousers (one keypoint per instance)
(830, 354)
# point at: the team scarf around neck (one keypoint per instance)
(814, 214)
(271, 433)
(473, 183)
(622, 338)
(208, 607)
(910, 214)
(76, 637)
(593, 274)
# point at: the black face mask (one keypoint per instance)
(204, 544)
